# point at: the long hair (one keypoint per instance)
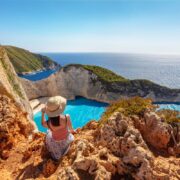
(54, 121)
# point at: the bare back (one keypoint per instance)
(59, 132)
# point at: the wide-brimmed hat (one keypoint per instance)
(55, 106)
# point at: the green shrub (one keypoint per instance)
(128, 107)
(170, 116)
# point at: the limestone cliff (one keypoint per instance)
(118, 147)
(77, 80)
(10, 84)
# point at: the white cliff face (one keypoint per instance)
(74, 80)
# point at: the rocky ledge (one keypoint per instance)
(138, 146)
(98, 84)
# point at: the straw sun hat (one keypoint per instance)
(55, 106)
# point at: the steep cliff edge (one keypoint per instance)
(25, 61)
(96, 83)
(10, 84)
(116, 147)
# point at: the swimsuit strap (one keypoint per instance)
(66, 122)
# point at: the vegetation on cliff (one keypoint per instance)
(136, 106)
(26, 61)
(128, 107)
(108, 77)
(170, 116)
(9, 73)
(104, 74)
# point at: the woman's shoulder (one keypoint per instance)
(65, 117)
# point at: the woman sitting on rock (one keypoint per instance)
(60, 131)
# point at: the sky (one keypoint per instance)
(126, 26)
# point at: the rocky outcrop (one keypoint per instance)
(75, 80)
(14, 126)
(115, 149)
(10, 85)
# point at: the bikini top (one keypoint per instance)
(60, 133)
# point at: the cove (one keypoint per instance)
(36, 76)
(81, 111)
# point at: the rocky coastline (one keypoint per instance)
(75, 80)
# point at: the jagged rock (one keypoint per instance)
(68, 174)
(154, 130)
(13, 126)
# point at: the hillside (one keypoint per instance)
(26, 61)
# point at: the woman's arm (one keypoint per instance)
(69, 124)
(43, 120)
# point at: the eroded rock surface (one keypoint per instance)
(14, 126)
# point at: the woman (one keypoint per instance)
(60, 131)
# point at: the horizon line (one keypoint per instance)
(100, 52)
(108, 52)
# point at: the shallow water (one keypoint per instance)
(82, 110)
(175, 107)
